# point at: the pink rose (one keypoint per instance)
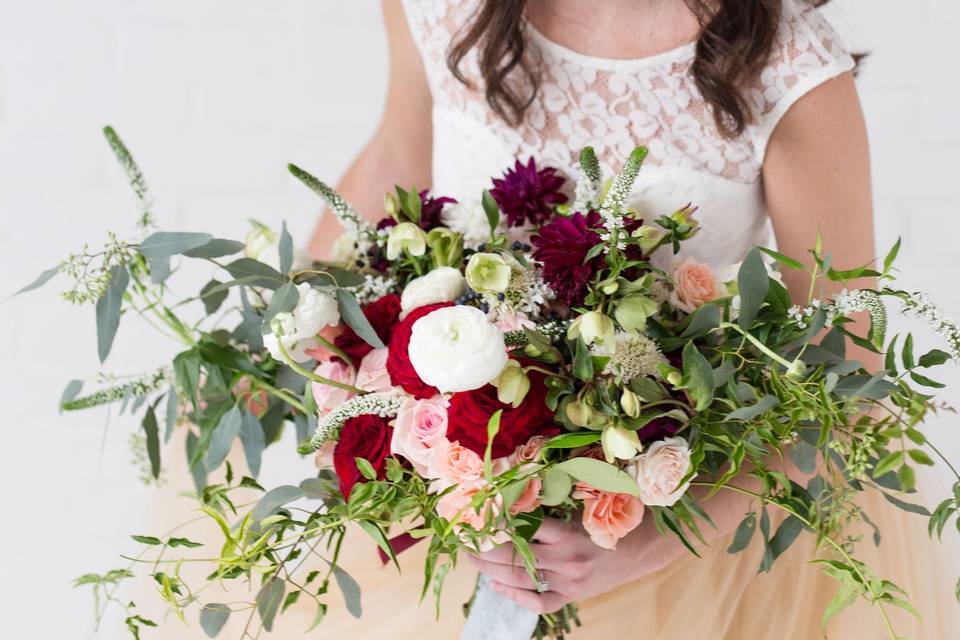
(607, 517)
(660, 469)
(372, 375)
(529, 450)
(450, 464)
(328, 397)
(694, 284)
(455, 507)
(420, 426)
(257, 402)
(513, 322)
(328, 333)
(324, 457)
(529, 500)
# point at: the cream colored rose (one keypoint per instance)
(694, 284)
(660, 470)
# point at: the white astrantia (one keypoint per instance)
(468, 218)
(456, 349)
(296, 330)
(443, 284)
(634, 355)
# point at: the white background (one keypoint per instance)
(214, 97)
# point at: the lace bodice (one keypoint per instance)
(614, 105)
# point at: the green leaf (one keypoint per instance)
(753, 283)
(268, 601)
(274, 499)
(492, 209)
(216, 248)
(163, 244)
(785, 536)
(845, 597)
(285, 249)
(782, 259)
(183, 542)
(221, 440)
(213, 617)
(890, 360)
(934, 357)
(804, 456)
(600, 475)
(152, 432)
(213, 296)
(493, 427)
(572, 440)
(253, 441)
(256, 273)
(290, 600)
(39, 281)
(906, 506)
(582, 361)
(925, 381)
(108, 310)
(703, 320)
(763, 405)
(891, 256)
(375, 532)
(350, 590)
(150, 540)
(284, 300)
(920, 457)
(365, 468)
(906, 353)
(71, 391)
(697, 376)
(352, 314)
(556, 487)
(887, 463)
(744, 533)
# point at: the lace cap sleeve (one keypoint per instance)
(807, 53)
(433, 25)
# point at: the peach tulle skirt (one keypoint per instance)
(719, 596)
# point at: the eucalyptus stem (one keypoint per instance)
(314, 377)
(334, 349)
(277, 393)
(756, 343)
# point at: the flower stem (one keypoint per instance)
(309, 375)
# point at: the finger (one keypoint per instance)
(531, 600)
(508, 575)
(553, 531)
(504, 554)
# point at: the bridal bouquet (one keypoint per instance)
(465, 369)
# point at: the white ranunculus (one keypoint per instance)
(296, 330)
(468, 219)
(456, 349)
(443, 284)
(659, 471)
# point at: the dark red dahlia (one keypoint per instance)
(526, 195)
(431, 208)
(382, 314)
(561, 246)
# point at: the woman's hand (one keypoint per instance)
(574, 567)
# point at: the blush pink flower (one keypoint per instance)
(513, 322)
(694, 284)
(419, 427)
(324, 457)
(529, 500)
(529, 450)
(660, 470)
(372, 375)
(256, 402)
(456, 507)
(607, 517)
(328, 333)
(327, 397)
(451, 464)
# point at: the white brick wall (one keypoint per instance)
(214, 97)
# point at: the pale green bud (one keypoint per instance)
(649, 237)
(408, 237)
(592, 327)
(488, 272)
(446, 247)
(610, 287)
(512, 384)
(620, 444)
(797, 369)
(390, 204)
(630, 403)
(579, 413)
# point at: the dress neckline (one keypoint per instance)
(684, 52)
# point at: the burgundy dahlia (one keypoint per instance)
(526, 194)
(561, 246)
(431, 208)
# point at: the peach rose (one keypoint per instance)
(455, 506)
(420, 426)
(372, 375)
(660, 469)
(529, 450)
(324, 457)
(450, 464)
(529, 499)
(694, 284)
(607, 517)
(327, 397)
(257, 402)
(320, 352)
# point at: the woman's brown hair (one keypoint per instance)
(736, 39)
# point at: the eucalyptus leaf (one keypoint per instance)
(785, 536)
(274, 499)
(269, 599)
(284, 300)
(753, 283)
(39, 281)
(253, 441)
(257, 273)
(285, 250)
(221, 440)
(163, 244)
(213, 617)
(763, 405)
(152, 432)
(599, 475)
(352, 314)
(70, 392)
(216, 248)
(703, 320)
(350, 590)
(697, 376)
(573, 440)
(213, 295)
(556, 487)
(744, 533)
(108, 310)
(906, 506)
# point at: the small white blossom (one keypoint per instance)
(295, 331)
(634, 355)
(470, 220)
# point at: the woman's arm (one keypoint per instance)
(816, 176)
(400, 150)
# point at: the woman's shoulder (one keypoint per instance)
(438, 18)
(807, 52)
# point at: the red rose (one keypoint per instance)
(470, 411)
(382, 314)
(402, 373)
(366, 437)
